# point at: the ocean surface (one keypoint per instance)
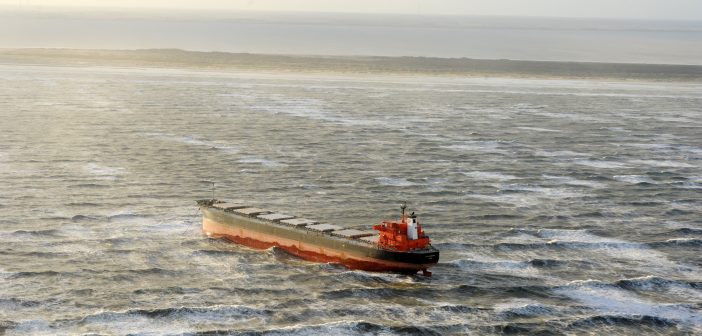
(559, 206)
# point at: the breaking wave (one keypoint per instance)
(613, 300)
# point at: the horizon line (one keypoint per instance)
(224, 11)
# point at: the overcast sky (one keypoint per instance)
(638, 9)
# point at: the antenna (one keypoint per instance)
(403, 206)
(213, 189)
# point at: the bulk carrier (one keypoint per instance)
(395, 246)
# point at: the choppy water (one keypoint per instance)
(558, 206)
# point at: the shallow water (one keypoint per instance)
(558, 206)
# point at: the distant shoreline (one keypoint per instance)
(464, 67)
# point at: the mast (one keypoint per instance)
(403, 206)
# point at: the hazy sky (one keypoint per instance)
(640, 9)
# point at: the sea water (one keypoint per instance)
(559, 206)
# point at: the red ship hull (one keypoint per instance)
(309, 250)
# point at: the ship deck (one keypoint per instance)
(361, 238)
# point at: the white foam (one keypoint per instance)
(479, 175)
(340, 328)
(633, 179)
(395, 182)
(127, 216)
(520, 237)
(572, 116)
(618, 129)
(527, 107)
(612, 246)
(518, 200)
(195, 141)
(691, 185)
(561, 154)
(654, 146)
(485, 263)
(436, 184)
(104, 172)
(683, 291)
(697, 151)
(530, 195)
(432, 137)
(661, 163)
(543, 192)
(601, 164)
(678, 119)
(478, 146)
(488, 264)
(33, 327)
(261, 161)
(310, 108)
(678, 225)
(575, 182)
(169, 322)
(524, 307)
(3, 272)
(613, 301)
(682, 240)
(571, 236)
(538, 129)
(671, 287)
(616, 248)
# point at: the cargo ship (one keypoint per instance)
(393, 246)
